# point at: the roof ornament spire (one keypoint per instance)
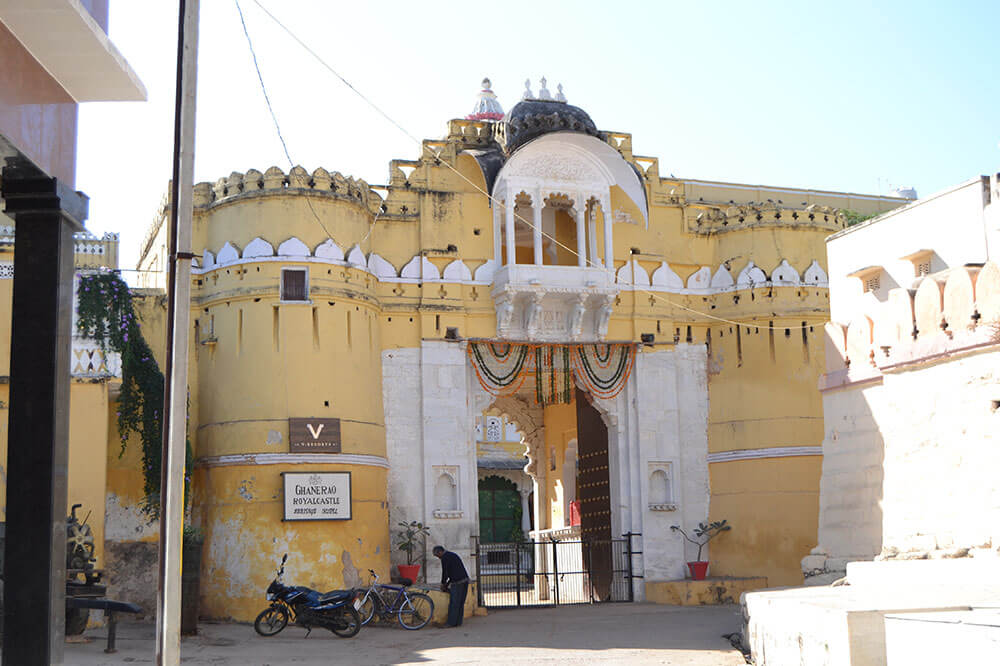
(560, 97)
(487, 106)
(527, 90)
(543, 92)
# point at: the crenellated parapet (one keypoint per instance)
(637, 276)
(714, 219)
(254, 183)
(945, 314)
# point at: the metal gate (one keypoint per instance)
(553, 573)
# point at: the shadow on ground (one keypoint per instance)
(610, 633)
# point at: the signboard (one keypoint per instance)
(317, 495)
(314, 435)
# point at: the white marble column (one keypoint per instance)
(579, 212)
(609, 246)
(537, 202)
(509, 226)
(497, 221)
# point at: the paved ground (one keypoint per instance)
(607, 634)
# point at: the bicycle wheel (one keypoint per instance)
(367, 610)
(416, 611)
(271, 620)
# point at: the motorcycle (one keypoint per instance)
(336, 610)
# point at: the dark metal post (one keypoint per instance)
(517, 565)
(590, 568)
(46, 214)
(628, 570)
(479, 578)
(555, 569)
(112, 632)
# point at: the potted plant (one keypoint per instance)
(412, 537)
(704, 533)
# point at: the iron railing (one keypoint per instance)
(554, 572)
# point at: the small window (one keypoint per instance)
(924, 268)
(294, 285)
(873, 283)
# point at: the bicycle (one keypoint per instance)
(413, 610)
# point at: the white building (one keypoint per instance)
(910, 399)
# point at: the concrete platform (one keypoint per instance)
(957, 637)
(841, 626)
(708, 592)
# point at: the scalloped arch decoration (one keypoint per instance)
(329, 250)
(293, 247)
(228, 254)
(664, 276)
(420, 268)
(751, 275)
(456, 271)
(357, 258)
(484, 273)
(379, 267)
(258, 247)
(784, 274)
(722, 278)
(815, 275)
(700, 279)
(633, 273)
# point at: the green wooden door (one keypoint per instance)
(499, 511)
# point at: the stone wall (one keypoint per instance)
(850, 511)
(431, 448)
(673, 431)
(941, 488)
(910, 400)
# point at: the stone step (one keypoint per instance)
(967, 571)
(946, 637)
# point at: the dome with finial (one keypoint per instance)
(540, 114)
(487, 106)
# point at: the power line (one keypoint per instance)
(438, 160)
(274, 117)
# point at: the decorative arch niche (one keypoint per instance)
(446, 492)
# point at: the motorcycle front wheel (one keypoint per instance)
(271, 620)
(351, 623)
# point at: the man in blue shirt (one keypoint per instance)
(454, 581)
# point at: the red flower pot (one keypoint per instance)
(408, 571)
(698, 570)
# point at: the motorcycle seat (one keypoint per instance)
(335, 595)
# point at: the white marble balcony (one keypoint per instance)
(553, 303)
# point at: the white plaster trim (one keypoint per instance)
(438, 513)
(286, 260)
(429, 273)
(773, 452)
(293, 459)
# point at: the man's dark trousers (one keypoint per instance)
(456, 603)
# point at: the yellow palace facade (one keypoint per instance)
(650, 347)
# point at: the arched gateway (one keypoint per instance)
(596, 417)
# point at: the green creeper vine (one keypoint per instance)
(105, 313)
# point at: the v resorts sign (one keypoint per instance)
(314, 435)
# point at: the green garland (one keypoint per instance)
(105, 313)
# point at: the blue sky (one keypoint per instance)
(849, 96)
